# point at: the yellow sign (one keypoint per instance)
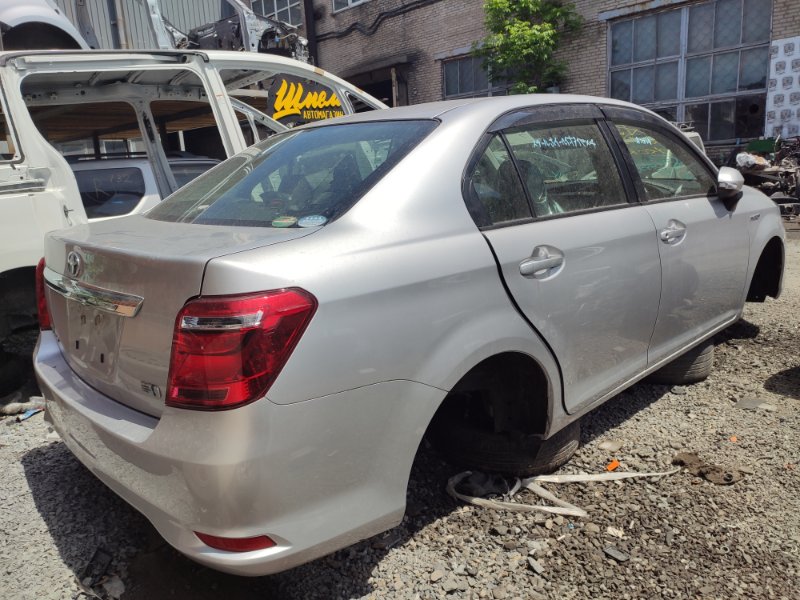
(292, 99)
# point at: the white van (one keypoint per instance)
(96, 105)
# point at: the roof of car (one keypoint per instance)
(495, 105)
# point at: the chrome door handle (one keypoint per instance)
(673, 232)
(540, 263)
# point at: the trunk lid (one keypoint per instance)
(125, 353)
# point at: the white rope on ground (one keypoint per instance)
(531, 483)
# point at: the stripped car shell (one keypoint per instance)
(584, 299)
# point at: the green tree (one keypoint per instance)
(522, 36)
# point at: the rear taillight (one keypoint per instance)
(228, 350)
(41, 299)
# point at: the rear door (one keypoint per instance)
(579, 260)
(702, 243)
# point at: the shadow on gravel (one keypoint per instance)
(741, 330)
(16, 368)
(82, 514)
(785, 383)
(619, 409)
(79, 511)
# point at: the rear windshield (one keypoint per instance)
(300, 178)
(110, 192)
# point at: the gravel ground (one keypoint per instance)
(679, 537)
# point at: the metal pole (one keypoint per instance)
(395, 90)
(122, 31)
(311, 30)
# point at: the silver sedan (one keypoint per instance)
(253, 363)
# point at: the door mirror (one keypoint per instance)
(729, 183)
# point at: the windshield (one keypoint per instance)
(300, 178)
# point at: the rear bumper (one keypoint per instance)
(314, 476)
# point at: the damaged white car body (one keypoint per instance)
(153, 105)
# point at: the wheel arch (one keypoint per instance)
(497, 417)
(515, 384)
(36, 35)
(767, 277)
(505, 341)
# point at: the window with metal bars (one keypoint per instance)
(706, 64)
(287, 11)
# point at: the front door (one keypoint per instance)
(579, 260)
(702, 243)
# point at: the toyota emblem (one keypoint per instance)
(74, 264)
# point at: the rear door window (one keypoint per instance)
(301, 178)
(566, 168)
(110, 192)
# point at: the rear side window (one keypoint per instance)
(110, 192)
(666, 166)
(496, 193)
(300, 178)
(566, 168)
